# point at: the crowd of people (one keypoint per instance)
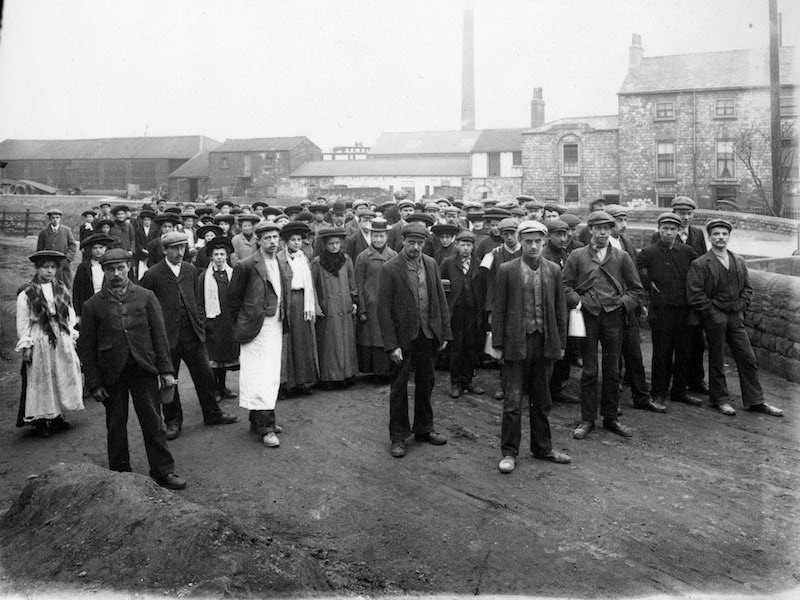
(301, 299)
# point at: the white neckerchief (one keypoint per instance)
(97, 276)
(273, 273)
(601, 253)
(47, 291)
(211, 290)
(301, 278)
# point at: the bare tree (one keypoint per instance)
(752, 145)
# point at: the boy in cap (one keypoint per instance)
(58, 237)
(717, 286)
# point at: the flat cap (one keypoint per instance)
(600, 217)
(669, 217)
(571, 220)
(114, 256)
(616, 210)
(415, 230)
(43, 255)
(508, 224)
(531, 226)
(557, 225)
(360, 202)
(555, 208)
(507, 204)
(174, 238)
(367, 213)
(426, 220)
(471, 205)
(718, 223)
(683, 202)
(97, 238)
(489, 202)
(443, 201)
(524, 198)
(431, 205)
(271, 210)
(533, 205)
(445, 229)
(219, 242)
(465, 235)
(265, 226)
(405, 203)
(451, 210)
(54, 211)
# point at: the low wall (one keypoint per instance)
(783, 266)
(773, 323)
(72, 206)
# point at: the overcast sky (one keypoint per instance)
(337, 71)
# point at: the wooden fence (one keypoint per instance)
(28, 222)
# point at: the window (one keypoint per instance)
(223, 162)
(248, 164)
(143, 172)
(665, 110)
(571, 166)
(571, 192)
(664, 200)
(788, 103)
(725, 108)
(493, 164)
(726, 195)
(516, 159)
(665, 160)
(725, 163)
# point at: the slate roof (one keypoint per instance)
(733, 69)
(387, 167)
(174, 147)
(276, 144)
(425, 142)
(500, 140)
(596, 123)
(195, 167)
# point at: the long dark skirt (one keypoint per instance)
(300, 366)
(373, 359)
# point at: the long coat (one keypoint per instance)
(221, 346)
(170, 290)
(242, 247)
(251, 296)
(61, 241)
(336, 336)
(398, 315)
(508, 311)
(112, 330)
(667, 269)
(368, 268)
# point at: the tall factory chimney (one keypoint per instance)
(635, 52)
(537, 109)
(468, 74)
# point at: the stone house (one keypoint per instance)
(190, 180)
(496, 165)
(255, 168)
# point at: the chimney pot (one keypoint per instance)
(636, 51)
(537, 108)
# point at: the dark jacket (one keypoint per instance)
(251, 296)
(583, 269)
(508, 311)
(111, 330)
(705, 279)
(397, 312)
(663, 272)
(554, 254)
(143, 239)
(451, 270)
(124, 236)
(82, 288)
(696, 239)
(170, 290)
(354, 245)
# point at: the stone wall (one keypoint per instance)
(773, 323)
(781, 266)
(504, 188)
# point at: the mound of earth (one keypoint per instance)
(80, 523)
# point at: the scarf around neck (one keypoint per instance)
(40, 311)
(332, 263)
(211, 290)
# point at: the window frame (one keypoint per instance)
(666, 177)
(577, 162)
(670, 114)
(725, 114)
(731, 161)
(577, 187)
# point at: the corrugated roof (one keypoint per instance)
(197, 166)
(708, 70)
(106, 148)
(387, 167)
(499, 140)
(596, 123)
(276, 144)
(425, 142)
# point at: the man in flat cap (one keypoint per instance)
(604, 281)
(245, 243)
(663, 268)
(493, 217)
(128, 360)
(58, 237)
(358, 236)
(145, 232)
(414, 323)
(405, 208)
(164, 223)
(529, 328)
(717, 286)
(534, 210)
(173, 281)
(465, 302)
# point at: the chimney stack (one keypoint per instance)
(636, 51)
(468, 75)
(537, 108)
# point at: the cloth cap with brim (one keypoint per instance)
(339, 208)
(683, 202)
(533, 205)
(252, 218)
(295, 228)
(445, 229)
(318, 208)
(265, 226)
(115, 256)
(414, 230)
(97, 238)
(571, 220)
(360, 202)
(168, 218)
(202, 231)
(670, 218)
(219, 242)
(367, 213)
(518, 212)
(508, 224)
(616, 210)
(329, 232)
(557, 225)
(421, 218)
(41, 256)
(489, 202)
(507, 205)
(451, 210)
(600, 217)
(54, 211)
(405, 204)
(465, 236)
(379, 226)
(496, 214)
(174, 238)
(718, 223)
(147, 214)
(271, 210)
(86, 213)
(524, 198)
(432, 206)
(443, 201)
(531, 226)
(476, 215)
(225, 219)
(472, 206)
(555, 208)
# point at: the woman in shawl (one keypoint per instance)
(51, 371)
(301, 368)
(334, 280)
(223, 350)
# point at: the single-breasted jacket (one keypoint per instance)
(705, 277)
(170, 291)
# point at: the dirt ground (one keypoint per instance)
(694, 503)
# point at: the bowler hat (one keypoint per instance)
(338, 208)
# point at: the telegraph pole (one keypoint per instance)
(775, 107)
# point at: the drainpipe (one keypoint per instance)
(694, 144)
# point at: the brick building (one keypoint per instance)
(257, 167)
(100, 164)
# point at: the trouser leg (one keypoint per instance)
(539, 401)
(715, 324)
(632, 354)
(144, 392)
(173, 412)
(424, 354)
(511, 428)
(262, 421)
(697, 347)
(457, 346)
(194, 356)
(399, 425)
(589, 374)
(680, 344)
(742, 350)
(611, 332)
(661, 365)
(116, 406)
